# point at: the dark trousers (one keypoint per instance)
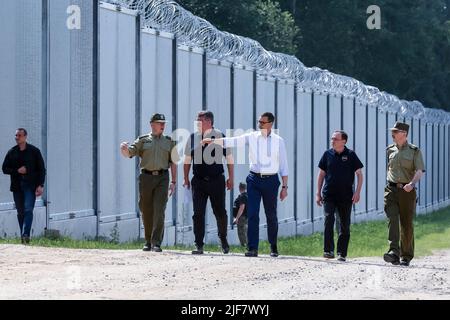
(344, 210)
(214, 189)
(153, 196)
(267, 189)
(400, 208)
(24, 201)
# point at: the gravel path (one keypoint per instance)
(55, 273)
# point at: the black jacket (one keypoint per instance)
(34, 163)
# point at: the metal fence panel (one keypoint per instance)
(441, 153)
(286, 123)
(21, 80)
(435, 163)
(334, 114)
(305, 165)
(70, 113)
(429, 164)
(381, 155)
(360, 149)
(117, 114)
(371, 161)
(320, 142)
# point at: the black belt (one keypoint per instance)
(209, 178)
(396, 185)
(154, 173)
(264, 175)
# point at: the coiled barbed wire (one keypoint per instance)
(193, 31)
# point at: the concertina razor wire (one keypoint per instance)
(190, 30)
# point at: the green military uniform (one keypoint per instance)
(399, 205)
(156, 156)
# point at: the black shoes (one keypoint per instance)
(341, 258)
(251, 253)
(273, 251)
(156, 248)
(198, 250)
(225, 246)
(391, 258)
(404, 262)
(328, 255)
(147, 247)
(25, 240)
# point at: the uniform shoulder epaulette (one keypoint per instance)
(390, 146)
(412, 146)
(144, 136)
(168, 138)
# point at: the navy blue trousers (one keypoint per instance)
(266, 189)
(24, 201)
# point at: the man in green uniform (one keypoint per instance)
(405, 168)
(157, 153)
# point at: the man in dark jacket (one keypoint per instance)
(25, 165)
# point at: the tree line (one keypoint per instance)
(409, 56)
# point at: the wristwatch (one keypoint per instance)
(284, 187)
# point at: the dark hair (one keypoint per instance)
(24, 131)
(242, 186)
(344, 135)
(207, 114)
(269, 116)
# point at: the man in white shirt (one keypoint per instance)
(268, 158)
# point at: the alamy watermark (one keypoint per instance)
(74, 20)
(374, 20)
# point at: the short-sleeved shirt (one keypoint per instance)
(403, 162)
(207, 159)
(241, 199)
(340, 171)
(155, 152)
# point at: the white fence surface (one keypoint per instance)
(80, 92)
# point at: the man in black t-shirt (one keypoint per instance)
(208, 180)
(337, 168)
(240, 214)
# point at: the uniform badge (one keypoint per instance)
(344, 158)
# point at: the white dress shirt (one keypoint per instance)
(267, 155)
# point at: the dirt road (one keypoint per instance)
(54, 273)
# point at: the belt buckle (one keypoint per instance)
(400, 186)
(155, 173)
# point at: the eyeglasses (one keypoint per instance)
(335, 139)
(263, 122)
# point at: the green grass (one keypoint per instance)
(432, 232)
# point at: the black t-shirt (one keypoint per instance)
(21, 158)
(241, 199)
(207, 159)
(340, 174)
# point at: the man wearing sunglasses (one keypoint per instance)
(337, 168)
(268, 159)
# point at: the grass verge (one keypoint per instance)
(432, 232)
